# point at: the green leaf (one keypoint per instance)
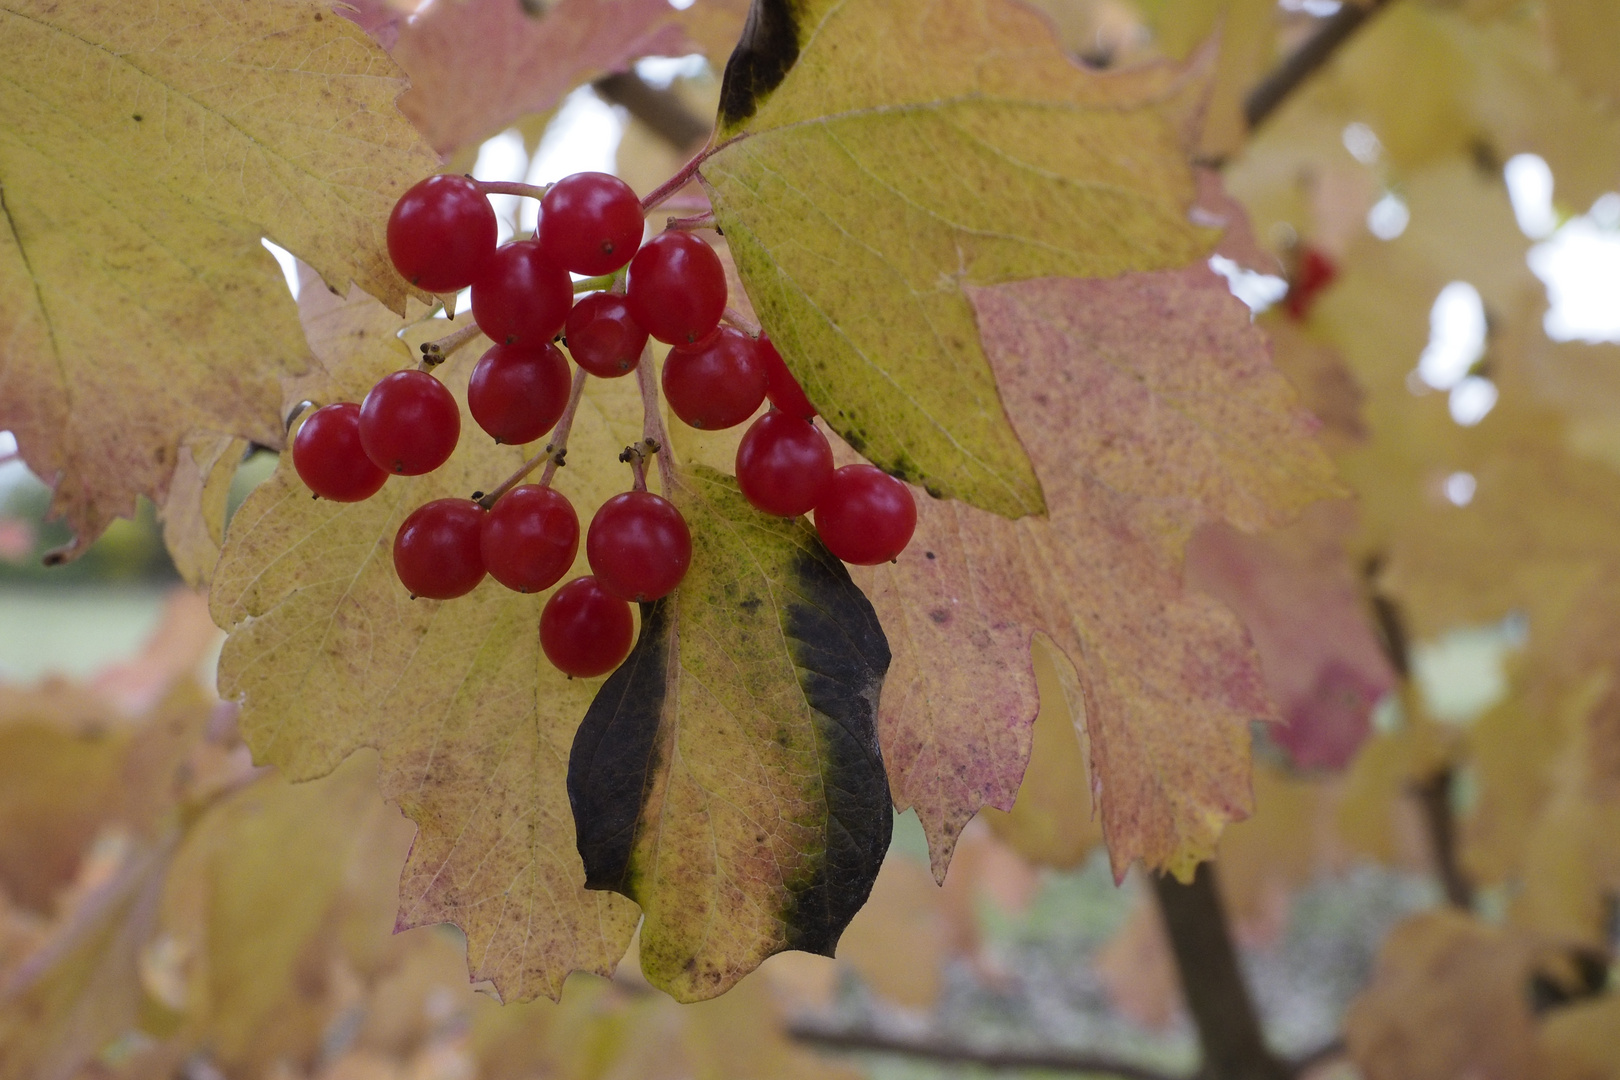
(882, 158)
(727, 777)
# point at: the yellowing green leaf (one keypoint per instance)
(862, 197)
(145, 152)
(329, 654)
(727, 777)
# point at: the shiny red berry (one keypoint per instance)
(784, 464)
(717, 383)
(329, 458)
(677, 288)
(517, 393)
(409, 423)
(530, 538)
(603, 337)
(865, 516)
(584, 630)
(780, 385)
(521, 296)
(442, 233)
(591, 223)
(437, 550)
(639, 546)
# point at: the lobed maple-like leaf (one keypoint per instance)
(727, 777)
(328, 654)
(146, 150)
(863, 198)
(1149, 407)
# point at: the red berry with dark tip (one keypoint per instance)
(780, 385)
(603, 337)
(784, 464)
(584, 630)
(437, 550)
(639, 546)
(522, 295)
(517, 393)
(677, 288)
(442, 233)
(865, 516)
(530, 538)
(409, 423)
(717, 383)
(329, 458)
(591, 223)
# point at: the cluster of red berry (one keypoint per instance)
(442, 238)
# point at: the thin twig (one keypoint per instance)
(995, 1058)
(741, 322)
(553, 456)
(1434, 796)
(652, 420)
(704, 220)
(511, 187)
(437, 352)
(1287, 76)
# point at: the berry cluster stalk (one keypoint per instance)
(652, 421)
(555, 452)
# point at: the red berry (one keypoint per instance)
(866, 516)
(677, 288)
(784, 464)
(591, 223)
(436, 551)
(639, 546)
(530, 538)
(329, 458)
(442, 233)
(717, 383)
(409, 423)
(602, 336)
(518, 392)
(584, 631)
(780, 385)
(1315, 273)
(521, 295)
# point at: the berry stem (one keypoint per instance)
(669, 187)
(509, 187)
(437, 352)
(555, 453)
(741, 322)
(595, 284)
(704, 220)
(652, 422)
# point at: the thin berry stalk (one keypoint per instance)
(437, 352)
(690, 224)
(741, 322)
(596, 284)
(510, 187)
(553, 455)
(669, 187)
(652, 420)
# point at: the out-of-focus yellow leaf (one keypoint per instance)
(194, 513)
(147, 150)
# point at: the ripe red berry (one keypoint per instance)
(591, 223)
(639, 546)
(677, 288)
(518, 392)
(584, 631)
(603, 337)
(865, 516)
(329, 458)
(530, 538)
(441, 233)
(436, 551)
(784, 464)
(409, 423)
(780, 385)
(521, 295)
(717, 383)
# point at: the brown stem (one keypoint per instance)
(652, 420)
(437, 352)
(1234, 1047)
(1264, 99)
(1434, 796)
(995, 1058)
(553, 456)
(661, 110)
(704, 220)
(741, 322)
(511, 187)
